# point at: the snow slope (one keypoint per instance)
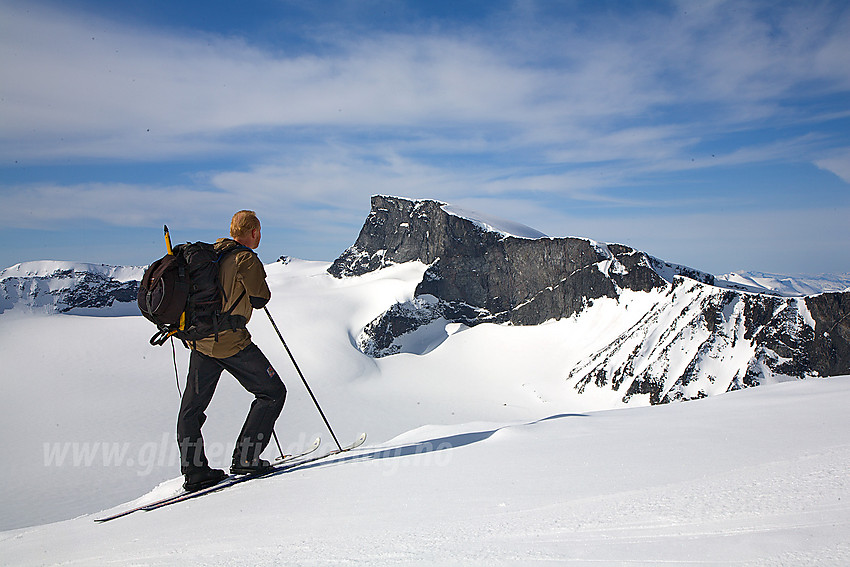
(757, 477)
(479, 451)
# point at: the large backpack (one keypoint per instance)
(182, 295)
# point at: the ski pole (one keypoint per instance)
(274, 434)
(306, 385)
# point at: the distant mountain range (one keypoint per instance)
(786, 285)
(684, 333)
(102, 289)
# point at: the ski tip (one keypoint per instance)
(360, 440)
(312, 447)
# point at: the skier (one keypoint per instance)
(232, 350)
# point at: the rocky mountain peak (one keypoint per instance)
(500, 270)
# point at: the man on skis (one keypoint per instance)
(244, 287)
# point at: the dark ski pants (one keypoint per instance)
(253, 370)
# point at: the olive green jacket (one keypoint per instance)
(239, 271)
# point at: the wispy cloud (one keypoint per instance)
(540, 104)
(57, 206)
(837, 162)
(100, 89)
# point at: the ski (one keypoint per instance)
(278, 469)
(301, 462)
(231, 479)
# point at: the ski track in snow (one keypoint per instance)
(473, 458)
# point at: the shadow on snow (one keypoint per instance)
(429, 446)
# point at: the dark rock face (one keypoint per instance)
(97, 291)
(696, 340)
(830, 346)
(519, 280)
(396, 231)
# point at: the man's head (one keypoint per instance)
(245, 229)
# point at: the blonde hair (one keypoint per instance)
(243, 223)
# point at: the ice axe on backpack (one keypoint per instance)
(171, 253)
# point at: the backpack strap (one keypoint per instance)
(224, 321)
(161, 336)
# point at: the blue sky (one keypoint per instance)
(710, 133)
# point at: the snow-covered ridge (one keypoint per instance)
(797, 285)
(47, 268)
(494, 224)
(51, 286)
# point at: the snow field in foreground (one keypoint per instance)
(755, 477)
